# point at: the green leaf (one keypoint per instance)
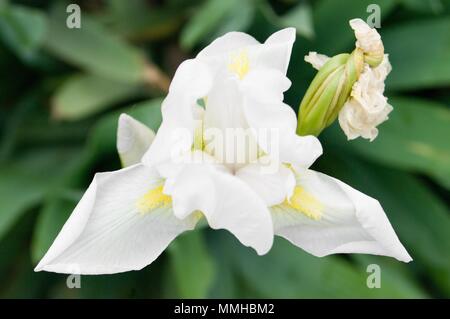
(19, 192)
(24, 183)
(22, 29)
(148, 23)
(82, 95)
(192, 266)
(300, 18)
(424, 6)
(207, 19)
(288, 272)
(23, 282)
(52, 217)
(94, 49)
(102, 139)
(414, 138)
(237, 18)
(419, 218)
(399, 276)
(419, 52)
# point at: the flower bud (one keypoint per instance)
(352, 81)
(328, 92)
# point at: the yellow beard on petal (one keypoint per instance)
(239, 64)
(153, 199)
(305, 203)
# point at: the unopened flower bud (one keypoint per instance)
(329, 90)
(350, 86)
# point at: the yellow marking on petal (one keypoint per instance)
(199, 143)
(305, 203)
(239, 64)
(153, 199)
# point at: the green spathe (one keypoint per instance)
(328, 92)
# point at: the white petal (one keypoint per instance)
(133, 140)
(106, 234)
(265, 84)
(224, 105)
(192, 81)
(277, 50)
(273, 185)
(227, 203)
(225, 127)
(349, 221)
(316, 60)
(274, 125)
(224, 45)
(367, 108)
(368, 39)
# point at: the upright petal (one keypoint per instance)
(326, 216)
(277, 50)
(133, 140)
(191, 82)
(123, 222)
(226, 201)
(226, 44)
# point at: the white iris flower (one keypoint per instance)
(193, 171)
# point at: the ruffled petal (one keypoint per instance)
(316, 60)
(273, 183)
(226, 202)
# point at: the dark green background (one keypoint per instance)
(61, 91)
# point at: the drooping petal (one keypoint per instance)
(133, 140)
(123, 222)
(226, 201)
(192, 81)
(326, 216)
(274, 183)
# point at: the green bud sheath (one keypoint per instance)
(328, 92)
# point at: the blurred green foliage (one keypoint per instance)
(62, 90)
